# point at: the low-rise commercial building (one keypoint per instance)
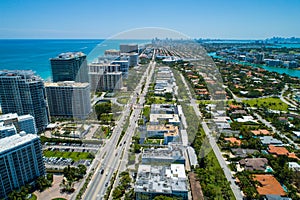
(192, 156)
(164, 109)
(169, 132)
(153, 181)
(172, 154)
(156, 119)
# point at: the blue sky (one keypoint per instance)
(231, 19)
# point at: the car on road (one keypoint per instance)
(101, 171)
(106, 184)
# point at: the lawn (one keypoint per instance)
(270, 103)
(74, 155)
(182, 91)
(213, 181)
(123, 100)
(154, 141)
(131, 158)
(192, 121)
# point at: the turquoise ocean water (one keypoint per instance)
(23, 54)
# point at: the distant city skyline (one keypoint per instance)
(103, 19)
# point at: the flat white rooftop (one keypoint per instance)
(15, 140)
(172, 118)
(66, 84)
(8, 116)
(6, 127)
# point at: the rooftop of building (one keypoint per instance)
(243, 152)
(242, 112)
(163, 108)
(261, 132)
(22, 117)
(192, 156)
(278, 150)
(297, 133)
(131, 44)
(161, 179)
(233, 141)
(68, 55)
(244, 119)
(15, 140)
(276, 197)
(12, 116)
(104, 64)
(270, 140)
(281, 151)
(232, 106)
(66, 84)
(172, 118)
(113, 73)
(6, 126)
(254, 163)
(130, 54)
(112, 50)
(294, 166)
(173, 151)
(28, 75)
(166, 127)
(120, 61)
(225, 119)
(268, 185)
(8, 116)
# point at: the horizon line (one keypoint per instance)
(147, 38)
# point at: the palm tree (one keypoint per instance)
(14, 195)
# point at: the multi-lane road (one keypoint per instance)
(111, 154)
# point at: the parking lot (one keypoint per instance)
(61, 162)
(54, 162)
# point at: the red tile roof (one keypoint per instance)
(282, 151)
(261, 132)
(234, 141)
(278, 150)
(269, 185)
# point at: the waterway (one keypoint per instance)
(290, 72)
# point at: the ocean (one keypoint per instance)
(28, 54)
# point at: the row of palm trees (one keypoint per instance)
(40, 184)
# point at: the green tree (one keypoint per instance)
(103, 108)
(161, 197)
